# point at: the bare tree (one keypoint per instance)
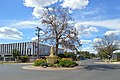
(58, 31)
(107, 45)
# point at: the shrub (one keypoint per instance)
(67, 63)
(56, 65)
(44, 64)
(40, 62)
(50, 65)
(68, 55)
(118, 59)
(61, 55)
(70, 59)
(23, 58)
(60, 63)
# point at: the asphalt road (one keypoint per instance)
(90, 72)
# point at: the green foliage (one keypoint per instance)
(40, 62)
(61, 55)
(44, 64)
(50, 65)
(85, 54)
(15, 53)
(23, 58)
(60, 63)
(56, 65)
(68, 55)
(67, 63)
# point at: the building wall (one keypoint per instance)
(26, 48)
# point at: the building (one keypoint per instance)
(116, 54)
(25, 48)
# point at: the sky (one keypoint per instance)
(93, 18)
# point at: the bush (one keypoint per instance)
(56, 65)
(118, 59)
(67, 63)
(44, 64)
(23, 58)
(68, 55)
(61, 55)
(60, 63)
(40, 62)
(50, 65)
(70, 59)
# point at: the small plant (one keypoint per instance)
(61, 55)
(60, 63)
(23, 58)
(56, 65)
(50, 65)
(40, 62)
(67, 63)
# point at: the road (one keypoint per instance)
(90, 72)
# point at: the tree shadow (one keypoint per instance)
(102, 67)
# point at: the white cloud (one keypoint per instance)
(10, 33)
(37, 12)
(110, 24)
(97, 40)
(38, 5)
(91, 29)
(85, 41)
(75, 4)
(90, 12)
(89, 49)
(117, 32)
(85, 29)
(25, 24)
(34, 39)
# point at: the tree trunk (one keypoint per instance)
(56, 52)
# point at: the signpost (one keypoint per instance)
(38, 35)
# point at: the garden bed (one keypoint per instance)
(51, 68)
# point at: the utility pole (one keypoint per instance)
(38, 36)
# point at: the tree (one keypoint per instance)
(106, 45)
(84, 54)
(15, 53)
(58, 30)
(92, 55)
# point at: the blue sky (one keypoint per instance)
(93, 18)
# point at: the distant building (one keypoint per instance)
(26, 48)
(116, 54)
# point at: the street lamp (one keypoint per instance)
(38, 37)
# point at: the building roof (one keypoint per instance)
(116, 51)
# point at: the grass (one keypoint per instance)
(113, 60)
(9, 62)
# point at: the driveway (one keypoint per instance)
(90, 72)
